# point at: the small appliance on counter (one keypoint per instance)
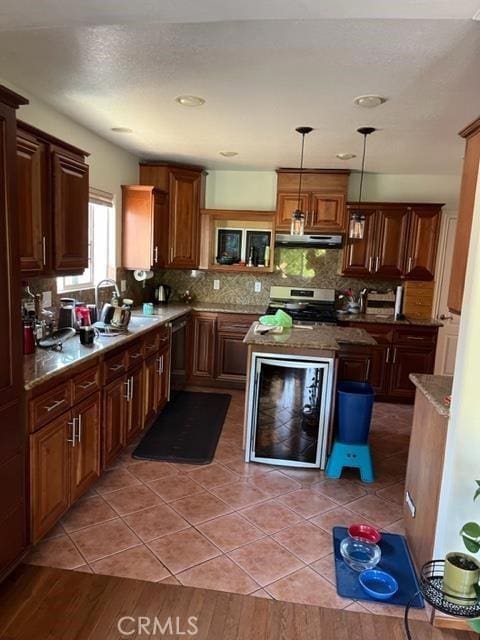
(381, 304)
(162, 294)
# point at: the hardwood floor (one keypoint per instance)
(41, 603)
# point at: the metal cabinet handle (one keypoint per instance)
(394, 355)
(79, 432)
(127, 382)
(56, 404)
(72, 440)
(414, 337)
(171, 254)
(87, 384)
(370, 263)
(410, 261)
(135, 356)
(44, 251)
(444, 317)
(155, 255)
(160, 365)
(387, 359)
(130, 387)
(116, 367)
(369, 362)
(377, 263)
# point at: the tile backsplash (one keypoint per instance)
(293, 267)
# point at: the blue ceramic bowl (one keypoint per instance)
(378, 584)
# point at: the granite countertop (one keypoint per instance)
(435, 389)
(226, 307)
(375, 319)
(45, 363)
(328, 338)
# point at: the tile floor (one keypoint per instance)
(244, 528)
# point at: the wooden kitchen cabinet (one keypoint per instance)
(468, 188)
(114, 419)
(135, 418)
(150, 388)
(354, 364)
(400, 241)
(204, 342)
(145, 227)
(50, 474)
(322, 199)
(177, 217)
(85, 455)
(406, 360)
(52, 197)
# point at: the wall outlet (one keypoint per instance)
(123, 285)
(258, 287)
(216, 285)
(47, 299)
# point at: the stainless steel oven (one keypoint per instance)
(289, 410)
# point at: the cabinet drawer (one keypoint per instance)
(151, 343)
(234, 323)
(114, 366)
(134, 354)
(85, 383)
(49, 405)
(163, 335)
(417, 336)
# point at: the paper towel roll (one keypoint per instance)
(398, 301)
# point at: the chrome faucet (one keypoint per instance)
(112, 283)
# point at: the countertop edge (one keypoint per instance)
(434, 388)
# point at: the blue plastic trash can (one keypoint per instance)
(354, 411)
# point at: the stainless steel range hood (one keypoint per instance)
(314, 241)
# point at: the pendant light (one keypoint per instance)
(356, 229)
(298, 217)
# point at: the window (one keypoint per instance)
(101, 245)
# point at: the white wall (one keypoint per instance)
(462, 459)
(257, 189)
(110, 166)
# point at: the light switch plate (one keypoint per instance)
(47, 299)
(123, 285)
(258, 287)
(216, 285)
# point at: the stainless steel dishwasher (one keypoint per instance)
(180, 336)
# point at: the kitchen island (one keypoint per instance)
(290, 392)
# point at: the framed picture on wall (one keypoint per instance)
(257, 240)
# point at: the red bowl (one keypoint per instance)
(365, 533)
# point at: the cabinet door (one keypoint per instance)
(232, 355)
(407, 360)
(70, 210)
(391, 239)
(160, 229)
(163, 368)
(422, 243)
(287, 203)
(354, 365)
(204, 346)
(184, 218)
(50, 474)
(85, 455)
(151, 388)
(327, 213)
(32, 205)
(379, 369)
(135, 404)
(114, 417)
(358, 255)
(138, 250)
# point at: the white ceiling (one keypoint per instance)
(263, 67)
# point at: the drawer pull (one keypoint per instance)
(116, 367)
(56, 404)
(415, 337)
(88, 384)
(135, 356)
(150, 347)
(79, 432)
(72, 440)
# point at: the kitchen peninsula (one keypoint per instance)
(289, 398)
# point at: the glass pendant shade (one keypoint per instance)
(297, 226)
(356, 229)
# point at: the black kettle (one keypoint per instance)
(162, 293)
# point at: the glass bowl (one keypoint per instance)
(360, 555)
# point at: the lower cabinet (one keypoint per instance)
(114, 412)
(203, 361)
(135, 410)
(407, 360)
(64, 462)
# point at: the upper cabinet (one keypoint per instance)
(162, 217)
(52, 203)
(400, 241)
(465, 215)
(322, 199)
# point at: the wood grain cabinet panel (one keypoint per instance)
(135, 404)
(150, 388)
(50, 474)
(232, 356)
(327, 212)
(204, 330)
(85, 455)
(163, 368)
(421, 251)
(407, 360)
(287, 203)
(32, 205)
(114, 419)
(70, 212)
(391, 242)
(184, 201)
(359, 254)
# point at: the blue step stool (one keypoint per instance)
(350, 455)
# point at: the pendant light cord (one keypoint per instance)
(301, 173)
(363, 168)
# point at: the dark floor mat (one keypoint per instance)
(187, 430)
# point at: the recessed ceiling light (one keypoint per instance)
(346, 156)
(228, 154)
(190, 101)
(476, 16)
(121, 130)
(369, 101)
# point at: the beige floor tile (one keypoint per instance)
(117, 478)
(154, 522)
(397, 527)
(306, 477)
(271, 516)
(261, 593)
(239, 494)
(147, 471)
(59, 552)
(171, 580)
(184, 549)
(85, 513)
(341, 491)
(307, 587)
(265, 560)
(104, 539)
(339, 517)
(377, 510)
(200, 507)
(138, 563)
(213, 476)
(275, 484)
(220, 574)
(395, 493)
(248, 469)
(357, 607)
(132, 499)
(306, 541)
(326, 568)
(175, 487)
(230, 531)
(55, 531)
(307, 503)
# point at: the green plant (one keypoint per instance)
(470, 531)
